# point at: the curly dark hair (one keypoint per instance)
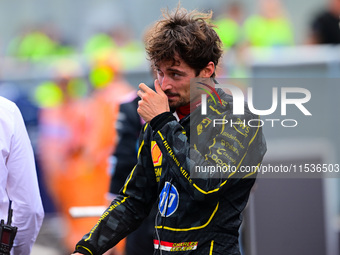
(187, 35)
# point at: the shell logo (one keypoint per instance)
(156, 154)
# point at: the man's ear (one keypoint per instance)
(208, 70)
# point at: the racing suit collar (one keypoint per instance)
(183, 111)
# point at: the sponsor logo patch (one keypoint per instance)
(183, 246)
(168, 200)
(156, 154)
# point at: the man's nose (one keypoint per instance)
(165, 83)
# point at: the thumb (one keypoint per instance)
(158, 88)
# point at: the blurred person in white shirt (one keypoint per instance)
(18, 181)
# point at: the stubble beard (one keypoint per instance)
(173, 106)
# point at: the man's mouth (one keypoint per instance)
(171, 96)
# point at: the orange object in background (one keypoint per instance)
(75, 144)
(77, 138)
(76, 141)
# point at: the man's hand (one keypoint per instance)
(152, 103)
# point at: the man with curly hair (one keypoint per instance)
(196, 214)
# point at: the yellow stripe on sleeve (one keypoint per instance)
(211, 247)
(84, 248)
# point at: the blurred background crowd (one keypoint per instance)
(69, 64)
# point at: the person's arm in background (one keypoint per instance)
(22, 188)
(128, 127)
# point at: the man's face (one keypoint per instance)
(175, 81)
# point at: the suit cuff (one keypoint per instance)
(160, 120)
(85, 248)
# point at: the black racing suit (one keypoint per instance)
(196, 216)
